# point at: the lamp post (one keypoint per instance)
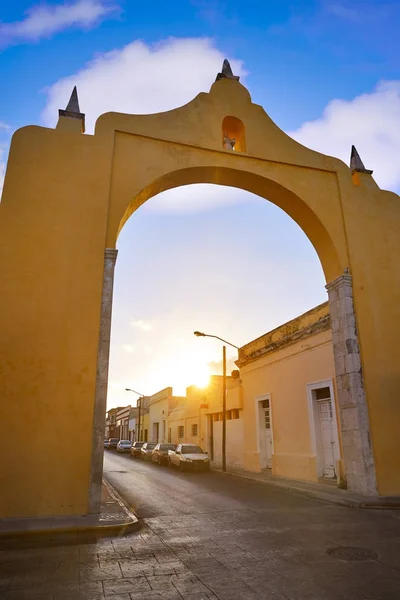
(139, 405)
(200, 334)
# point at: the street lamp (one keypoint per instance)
(139, 405)
(200, 334)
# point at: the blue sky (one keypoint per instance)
(326, 71)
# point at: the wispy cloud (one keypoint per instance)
(143, 325)
(343, 11)
(45, 20)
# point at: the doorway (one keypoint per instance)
(323, 428)
(264, 428)
(156, 431)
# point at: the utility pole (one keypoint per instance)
(224, 408)
(201, 334)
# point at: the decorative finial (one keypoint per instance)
(73, 104)
(356, 164)
(72, 110)
(226, 72)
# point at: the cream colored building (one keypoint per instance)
(160, 405)
(281, 409)
(290, 400)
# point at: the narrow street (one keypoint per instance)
(218, 536)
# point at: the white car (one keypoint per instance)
(189, 457)
(124, 446)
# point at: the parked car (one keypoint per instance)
(147, 450)
(160, 453)
(106, 443)
(112, 443)
(136, 449)
(189, 456)
(124, 446)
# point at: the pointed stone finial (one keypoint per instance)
(226, 72)
(73, 104)
(356, 164)
(72, 110)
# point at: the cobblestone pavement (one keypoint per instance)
(206, 536)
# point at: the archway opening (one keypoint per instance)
(210, 257)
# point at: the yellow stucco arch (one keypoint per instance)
(288, 201)
(65, 198)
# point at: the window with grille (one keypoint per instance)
(267, 414)
(194, 430)
(181, 431)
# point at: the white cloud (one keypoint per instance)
(5, 132)
(196, 198)
(143, 325)
(371, 122)
(140, 79)
(144, 79)
(44, 20)
(128, 348)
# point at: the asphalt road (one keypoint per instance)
(152, 490)
(246, 540)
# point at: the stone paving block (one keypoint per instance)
(25, 595)
(79, 596)
(162, 583)
(20, 582)
(96, 573)
(126, 586)
(153, 595)
(201, 596)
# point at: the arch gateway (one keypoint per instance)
(66, 197)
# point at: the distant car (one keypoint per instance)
(105, 443)
(189, 456)
(146, 450)
(160, 453)
(124, 446)
(136, 449)
(112, 443)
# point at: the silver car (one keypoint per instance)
(189, 457)
(124, 446)
(147, 450)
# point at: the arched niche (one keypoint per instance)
(234, 129)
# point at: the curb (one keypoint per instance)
(360, 503)
(121, 501)
(76, 533)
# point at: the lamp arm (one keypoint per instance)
(222, 340)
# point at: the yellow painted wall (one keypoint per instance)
(145, 424)
(235, 443)
(284, 373)
(65, 198)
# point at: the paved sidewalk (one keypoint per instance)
(114, 519)
(321, 490)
